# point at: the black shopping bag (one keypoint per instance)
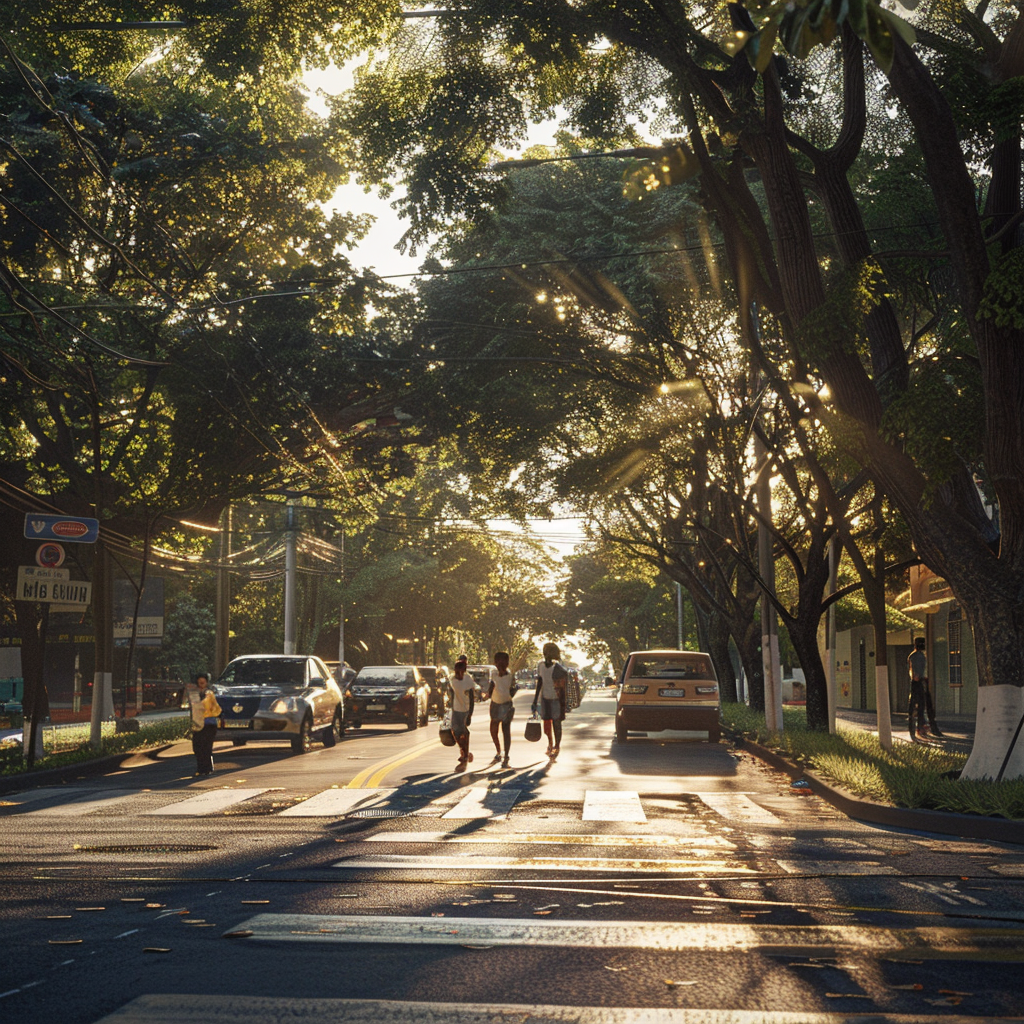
(533, 730)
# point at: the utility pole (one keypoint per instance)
(766, 568)
(222, 642)
(103, 674)
(833, 577)
(679, 615)
(341, 617)
(289, 578)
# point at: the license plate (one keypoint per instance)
(231, 724)
(374, 707)
(671, 693)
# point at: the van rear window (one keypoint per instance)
(671, 668)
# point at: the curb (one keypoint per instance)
(966, 826)
(72, 772)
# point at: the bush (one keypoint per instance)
(78, 750)
(909, 775)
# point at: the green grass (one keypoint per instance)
(75, 749)
(909, 775)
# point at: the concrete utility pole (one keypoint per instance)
(679, 615)
(103, 674)
(222, 642)
(290, 540)
(341, 617)
(833, 577)
(766, 568)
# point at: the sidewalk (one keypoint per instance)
(958, 730)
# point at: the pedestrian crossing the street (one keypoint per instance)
(493, 802)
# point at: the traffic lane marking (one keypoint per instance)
(554, 839)
(480, 803)
(373, 775)
(87, 804)
(209, 802)
(603, 865)
(925, 943)
(612, 805)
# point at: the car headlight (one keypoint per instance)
(411, 692)
(707, 689)
(634, 689)
(284, 706)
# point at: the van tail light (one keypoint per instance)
(707, 689)
(634, 689)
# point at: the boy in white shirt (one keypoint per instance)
(463, 695)
(550, 691)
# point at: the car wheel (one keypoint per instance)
(302, 743)
(621, 733)
(238, 743)
(714, 735)
(338, 725)
(413, 721)
(425, 717)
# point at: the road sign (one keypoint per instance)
(77, 593)
(50, 555)
(48, 574)
(81, 530)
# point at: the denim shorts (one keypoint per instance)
(460, 727)
(502, 712)
(551, 709)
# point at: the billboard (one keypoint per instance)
(149, 627)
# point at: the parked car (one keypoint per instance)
(279, 697)
(343, 674)
(436, 677)
(667, 690)
(388, 693)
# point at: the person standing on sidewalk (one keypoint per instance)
(550, 691)
(205, 713)
(463, 689)
(501, 689)
(921, 702)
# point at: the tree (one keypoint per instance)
(188, 638)
(738, 120)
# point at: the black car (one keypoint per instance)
(388, 693)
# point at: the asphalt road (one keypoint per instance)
(666, 880)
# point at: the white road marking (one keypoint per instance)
(836, 867)
(739, 807)
(611, 805)
(201, 1009)
(484, 803)
(922, 943)
(85, 805)
(333, 803)
(485, 862)
(210, 802)
(32, 795)
(550, 839)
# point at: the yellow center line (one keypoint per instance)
(372, 777)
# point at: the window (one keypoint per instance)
(953, 628)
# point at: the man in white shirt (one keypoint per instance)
(463, 695)
(501, 688)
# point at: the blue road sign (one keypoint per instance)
(77, 529)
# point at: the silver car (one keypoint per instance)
(279, 697)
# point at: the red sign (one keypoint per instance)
(70, 528)
(49, 555)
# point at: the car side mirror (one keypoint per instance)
(317, 681)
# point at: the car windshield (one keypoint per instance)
(384, 677)
(265, 672)
(670, 668)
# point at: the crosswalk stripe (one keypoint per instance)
(483, 862)
(86, 805)
(922, 943)
(47, 793)
(612, 805)
(739, 807)
(333, 802)
(201, 1009)
(836, 867)
(210, 802)
(552, 839)
(480, 803)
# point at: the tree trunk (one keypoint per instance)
(718, 648)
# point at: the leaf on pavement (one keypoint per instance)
(678, 984)
(155, 949)
(237, 935)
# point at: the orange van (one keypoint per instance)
(667, 690)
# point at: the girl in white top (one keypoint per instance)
(501, 689)
(550, 691)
